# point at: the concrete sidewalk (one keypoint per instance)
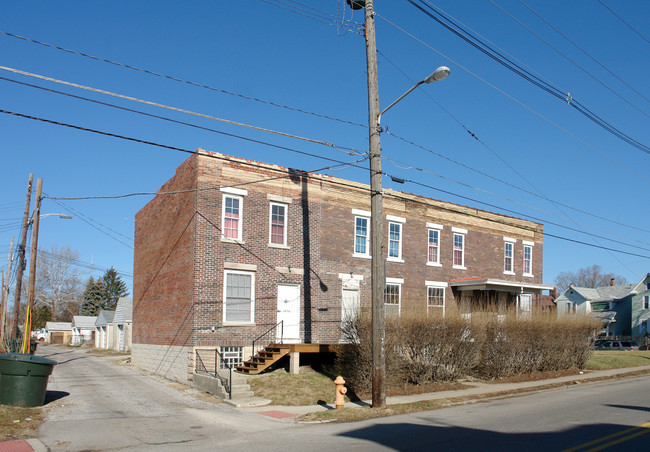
(474, 389)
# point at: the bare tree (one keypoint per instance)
(587, 277)
(58, 282)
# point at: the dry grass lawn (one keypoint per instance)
(18, 422)
(614, 359)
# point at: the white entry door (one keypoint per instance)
(350, 304)
(289, 313)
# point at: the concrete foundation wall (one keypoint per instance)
(172, 362)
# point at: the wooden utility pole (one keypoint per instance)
(378, 280)
(32, 256)
(21, 259)
(5, 293)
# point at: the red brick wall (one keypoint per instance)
(163, 263)
(175, 268)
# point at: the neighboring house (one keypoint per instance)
(104, 329)
(123, 322)
(58, 332)
(231, 247)
(83, 329)
(623, 310)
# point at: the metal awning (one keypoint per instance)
(498, 285)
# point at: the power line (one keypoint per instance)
(530, 109)
(613, 74)
(331, 181)
(316, 14)
(527, 75)
(180, 110)
(151, 115)
(625, 22)
(176, 79)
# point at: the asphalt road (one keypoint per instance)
(101, 405)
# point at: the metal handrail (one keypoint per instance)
(226, 383)
(218, 361)
(266, 333)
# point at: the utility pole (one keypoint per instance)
(378, 279)
(21, 259)
(5, 293)
(32, 256)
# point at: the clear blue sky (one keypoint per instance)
(531, 139)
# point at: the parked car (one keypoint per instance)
(616, 345)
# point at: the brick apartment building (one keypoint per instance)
(230, 247)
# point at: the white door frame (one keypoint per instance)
(289, 314)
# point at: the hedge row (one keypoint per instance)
(420, 349)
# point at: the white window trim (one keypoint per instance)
(234, 191)
(225, 291)
(365, 255)
(399, 257)
(458, 231)
(395, 282)
(438, 285)
(284, 243)
(528, 245)
(361, 213)
(240, 224)
(395, 219)
(280, 199)
(430, 227)
(507, 242)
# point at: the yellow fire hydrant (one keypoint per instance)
(339, 400)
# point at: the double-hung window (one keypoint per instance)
(646, 302)
(528, 258)
(232, 213)
(459, 248)
(435, 297)
(393, 296)
(278, 224)
(361, 233)
(433, 244)
(239, 297)
(395, 238)
(508, 256)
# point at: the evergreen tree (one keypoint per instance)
(94, 297)
(41, 316)
(114, 288)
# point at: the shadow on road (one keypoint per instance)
(51, 396)
(407, 437)
(631, 407)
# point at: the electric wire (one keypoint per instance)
(180, 80)
(592, 58)
(151, 115)
(625, 22)
(331, 181)
(515, 202)
(180, 110)
(539, 194)
(527, 75)
(512, 98)
(137, 140)
(316, 14)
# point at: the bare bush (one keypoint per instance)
(421, 349)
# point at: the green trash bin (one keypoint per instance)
(23, 379)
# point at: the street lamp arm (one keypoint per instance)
(439, 74)
(397, 100)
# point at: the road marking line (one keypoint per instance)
(614, 435)
(620, 440)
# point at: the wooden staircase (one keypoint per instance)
(263, 359)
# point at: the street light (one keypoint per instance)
(436, 76)
(60, 215)
(378, 264)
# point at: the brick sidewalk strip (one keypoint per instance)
(15, 446)
(275, 414)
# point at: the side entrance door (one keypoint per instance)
(350, 304)
(289, 313)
